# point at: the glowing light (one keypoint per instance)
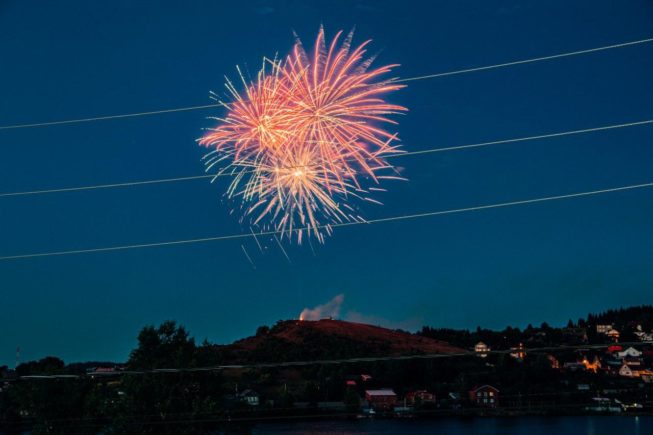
(305, 137)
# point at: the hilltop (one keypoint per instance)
(328, 339)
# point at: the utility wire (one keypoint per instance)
(411, 153)
(329, 361)
(344, 224)
(429, 76)
(106, 117)
(535, 59)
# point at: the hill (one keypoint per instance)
(330, 339)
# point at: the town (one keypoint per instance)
(601, 364)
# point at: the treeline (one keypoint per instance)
(190, 402)
(625, 320)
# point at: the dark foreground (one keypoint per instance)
(587, 425)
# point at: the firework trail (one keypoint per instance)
(304, 138)
(248, 257)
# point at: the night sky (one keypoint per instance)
(533, 263)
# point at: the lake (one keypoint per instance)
(583, 425)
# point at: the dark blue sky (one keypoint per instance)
(543, 262)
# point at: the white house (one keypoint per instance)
(481, 349)
(628, 371)
(644, 336)
(630, 352)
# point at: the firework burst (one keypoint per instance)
(305, 136)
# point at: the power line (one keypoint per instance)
(329, 361)
(106, 186)
(344, 224)
(423, 77)
(107, 117)
(524, 139)
(535, 59)
(411, 153)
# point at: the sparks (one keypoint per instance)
(305, 137)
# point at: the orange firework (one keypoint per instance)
(298, 139)
(337, 104)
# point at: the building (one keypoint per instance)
(628, 371)
(555, 363)
(419, 397)
(485, 396)
(613, 334)
(630, 352)
(647, 376)
(381, 400)
(633, 362)
(603, 329)
(250, 397)
(643, 336)
(518, 352)
(481, 349)
(593, 366)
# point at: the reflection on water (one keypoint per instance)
(588, 425)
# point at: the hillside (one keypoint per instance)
(330, 339)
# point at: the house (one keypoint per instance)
(647, 376)
(555, 363)
(604, 404)
(383, 399)
(628, 371)
(630, 352)
(593, 366)
(518, 352)
(613, 334)
(603, 329)
(633, 362)
(358, 378)
(485, 396)
(419, 397)
(101, 370)
(641, 335)
(481, 349)
(250, 397)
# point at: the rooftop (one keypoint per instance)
(382, 392)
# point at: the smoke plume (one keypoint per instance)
(330, 309)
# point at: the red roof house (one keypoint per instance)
(485, 396)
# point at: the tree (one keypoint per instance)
(167, 346)
(50, 365)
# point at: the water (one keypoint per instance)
(592, 425)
